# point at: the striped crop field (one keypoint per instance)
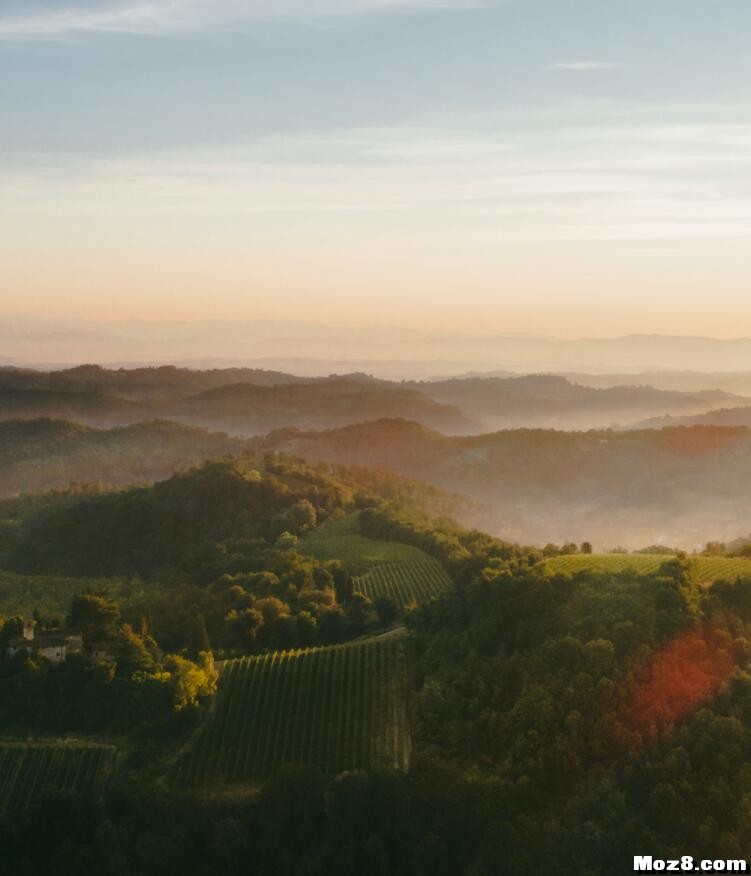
(409, 584)
(337, 708)
(28, 769)
(708, 569)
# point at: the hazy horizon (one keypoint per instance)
(311, 348)
(537, 166)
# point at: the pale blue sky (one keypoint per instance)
(551, 165)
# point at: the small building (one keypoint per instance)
(54, 645)
(73, 640)
(19, 643)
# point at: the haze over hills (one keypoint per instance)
(735, 416)
(253, 401)
(634, 488)
(42, 455)
(557, 403)
(499, 441)
(736, 382)
(245, 402)
(316, 350)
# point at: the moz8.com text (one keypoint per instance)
(687, 864)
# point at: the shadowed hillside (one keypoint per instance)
(44, 454)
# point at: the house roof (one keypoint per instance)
(50, 641)
(67, 633)
(19, 642)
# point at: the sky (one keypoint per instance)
(568, 167)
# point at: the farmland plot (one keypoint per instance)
(337, 708)
(408, 584)
(27, 770)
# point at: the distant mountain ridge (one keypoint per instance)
(552, 401)
(327, 348)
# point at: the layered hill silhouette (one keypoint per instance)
(634, 488)
(254, 402)
(740, 416)
(552, 401)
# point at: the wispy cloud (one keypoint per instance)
(45, 20)
(631, 182)
(583, 66)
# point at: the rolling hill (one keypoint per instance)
(242, 401)
(45, 454)
(254, 401)
(729, 417)
(247, 409)
(548, 401)
(676, 486)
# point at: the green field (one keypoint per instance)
(337, 708)
(708, 569)
(27, 770)
(409, 584)
(342, 540)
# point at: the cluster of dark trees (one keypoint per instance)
(135, 687)
(594, 716)
(419, 824)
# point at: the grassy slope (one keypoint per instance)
(341, 540)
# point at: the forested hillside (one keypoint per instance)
(522, 715)
(43, 454)
(677, 486)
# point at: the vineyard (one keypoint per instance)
(707, 569)
(337, 708)
(27, 770)
(408, 584)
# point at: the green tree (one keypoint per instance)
(359, 612)
(95, 616)
(200, 638)
(386, 609)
